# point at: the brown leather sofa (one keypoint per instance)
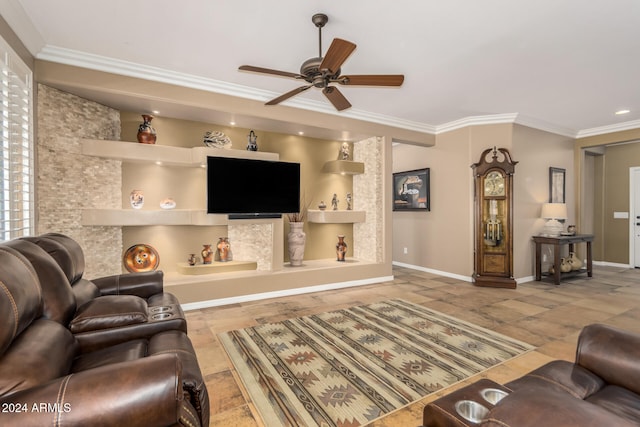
(141, 374)
(602, 388)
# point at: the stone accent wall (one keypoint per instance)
(252, 242)
(368, 197)
(68, 181)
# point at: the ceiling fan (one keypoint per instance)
(322, 72)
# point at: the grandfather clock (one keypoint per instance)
(493, 197)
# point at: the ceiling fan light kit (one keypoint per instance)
(321, 72)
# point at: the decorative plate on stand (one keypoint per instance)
(140, 258)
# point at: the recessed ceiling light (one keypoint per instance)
(232, 123)
(300, 133)
(155, 112)
(621, 112)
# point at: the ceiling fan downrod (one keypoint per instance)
(319, 20)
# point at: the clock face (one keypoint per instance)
(494, 184)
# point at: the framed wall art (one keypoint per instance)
(411, 190)
(557, 185)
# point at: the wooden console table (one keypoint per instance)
(557, 242)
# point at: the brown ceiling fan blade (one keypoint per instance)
(288, 95)
(372, 80)
(336, 97)
(269, 71)
(338, 52)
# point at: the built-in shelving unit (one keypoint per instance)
(133, 217)
(335, 217)
(133, 152)
(216, 267)
(344, 167)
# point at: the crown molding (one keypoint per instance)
(618, 127)
(146, 72)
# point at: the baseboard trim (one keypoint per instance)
(452, 275)
(612, 264)
(433, 271)
(284, 293)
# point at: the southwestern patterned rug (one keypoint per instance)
(349, 367)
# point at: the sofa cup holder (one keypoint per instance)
(161, 316)
(493, 395)
(471, 411)
(161, 309)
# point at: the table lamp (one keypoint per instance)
(552, 212)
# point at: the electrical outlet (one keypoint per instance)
(406, 251)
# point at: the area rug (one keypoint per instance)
(348, 367)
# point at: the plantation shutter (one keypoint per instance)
(16, 137)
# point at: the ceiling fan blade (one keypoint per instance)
(336, 97)
(372, 80)
(269, 71)
(288, 95)
(338, 52)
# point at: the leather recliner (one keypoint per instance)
(106, 310)
(602, 388)
(46, 379)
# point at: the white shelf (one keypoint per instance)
(335, 217)
(133, 217)
(135, 152)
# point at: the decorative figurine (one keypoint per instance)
(334, 202)
(349, 200)
(252, 144)
(344, 151)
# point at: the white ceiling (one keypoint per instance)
(562, 65)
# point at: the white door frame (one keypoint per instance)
(632, 215)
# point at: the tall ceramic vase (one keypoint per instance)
(296, 239)
(341, 248)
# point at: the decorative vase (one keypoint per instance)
(341, 248)
(136, 198)
(565, 266)
(146, 132)
(207, 254)
(192, 259)
(575, 262)
(322, 206)
(252, 144)
(296, 239)
(223, 249)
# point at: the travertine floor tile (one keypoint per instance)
(547, 316)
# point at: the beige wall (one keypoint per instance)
(617, 161)
(610, 189)
(442, 239)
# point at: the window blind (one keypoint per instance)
(16, 138)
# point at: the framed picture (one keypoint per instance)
(411, 190)
(557, 185)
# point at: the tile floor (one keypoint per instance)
(544, 315)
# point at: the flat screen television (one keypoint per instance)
(248, 188)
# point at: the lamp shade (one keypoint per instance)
(554, 211)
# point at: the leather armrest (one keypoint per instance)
(612, 354)
(142, 392)
(143, 284)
